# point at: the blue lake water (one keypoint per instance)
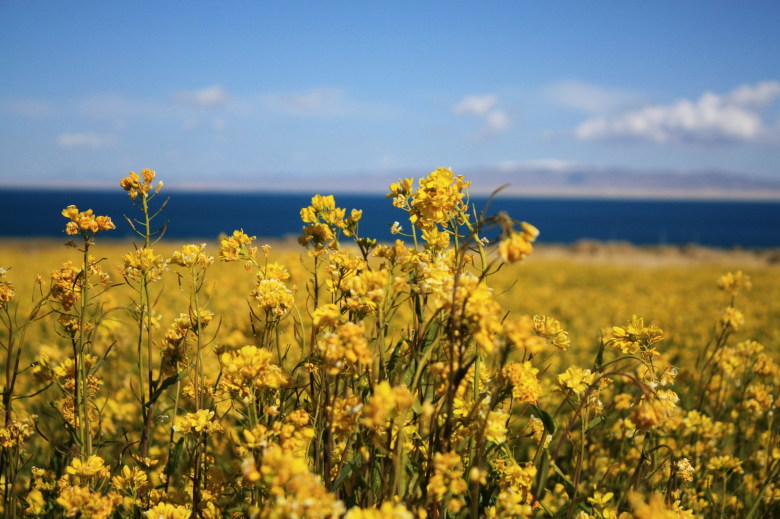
(190, 215)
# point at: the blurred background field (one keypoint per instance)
(587, 285)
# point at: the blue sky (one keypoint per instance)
(238, 92)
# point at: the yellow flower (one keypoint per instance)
(168, 511)
(82, 502)
(733, 282)
(92, 467)
(525, 385)
(133, 185)
(732, 319)
(634, 337)
(326, 315)
(684, 469)
(515, 247)
(385, 402)
(201, 421)
(273, 298)
(345, 348)
(238, 246)
(447, 476)
(191, 255)
(85, 222)
(249, 369)
(439, 200)
(576, 380)
(551, 330)
(144, 262)
(387, 510)
(495, 427)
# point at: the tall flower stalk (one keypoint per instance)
(86, 225)
(141, 268)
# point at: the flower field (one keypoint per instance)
(453, 373)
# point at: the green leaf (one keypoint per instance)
(542, 474)
(168, 382)
(173, 461)
(599, 358)
(595, 422)
(547, 420)
(567, 484)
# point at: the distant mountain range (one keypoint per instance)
(617, 182)
(560, 182)
(545, 180)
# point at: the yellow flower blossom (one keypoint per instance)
(168, 511)
(525, 385)
(78, 501)
(85, 222)
(634, 337)
(133, 184)
(576, 380)
(734, 282)
(237, 246)
(551, 330)
(249, 369)
(192, 255)
(201, 421)
(7, 291)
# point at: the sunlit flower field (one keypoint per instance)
(456, 372)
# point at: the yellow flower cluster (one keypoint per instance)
(85, 222)
(635, 337)
(15, 433)
(448, 478)
(192, 255)
(525, 386)
(325, 220)
(438, 201)
(386, 402)
(273, 298)
(135, 184)
(296, 491)
(345, 348)
(734, 282)
(248, 370)
(238, 246)
(143, 263)
(551, 330)
(517, 245)
(7, 291)
(199, 422)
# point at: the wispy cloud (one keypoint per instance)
(495, 121)
(587, 97)
(736, 117)
(475, 104)
(317, 102)
(214, 96)
(84, 140)
(26, 107)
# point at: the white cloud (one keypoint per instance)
(713, 118)
(588, 97)
(475, 105)
(495, 120)
(84, 140)
(318, 102)
(210, 97)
